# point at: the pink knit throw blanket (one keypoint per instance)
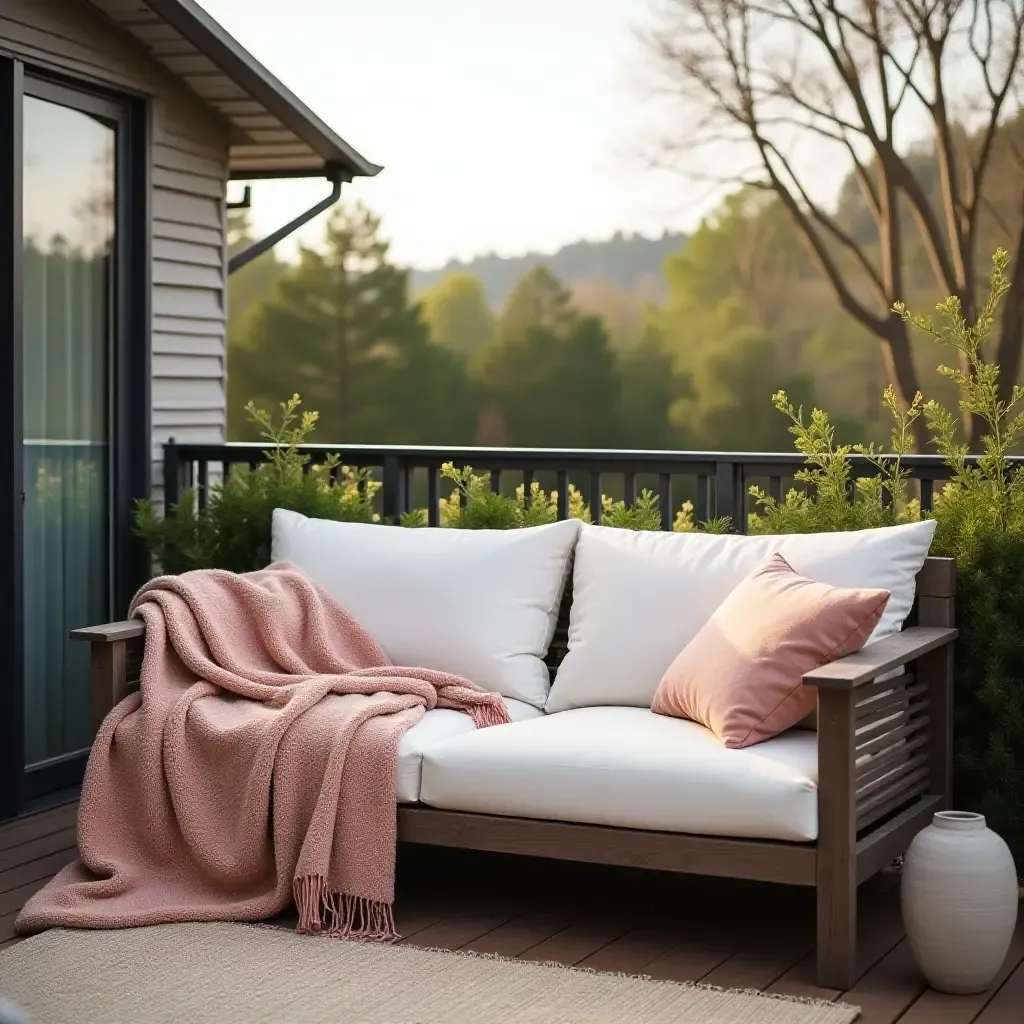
(256, 765)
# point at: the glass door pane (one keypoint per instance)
(68, 215)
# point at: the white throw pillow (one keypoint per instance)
(479, 603)
(639, 598)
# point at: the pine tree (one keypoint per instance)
(550, 372)
(339, 329)
(457, 314)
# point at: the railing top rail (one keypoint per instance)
(244, 451)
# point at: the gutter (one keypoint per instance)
(247, 255)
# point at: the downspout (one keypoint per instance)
(247, 255)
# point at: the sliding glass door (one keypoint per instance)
(74, 398)
(69, 191)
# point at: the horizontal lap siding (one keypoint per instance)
(189, 276)
(189, 171)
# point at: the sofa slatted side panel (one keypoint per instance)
(891, 747)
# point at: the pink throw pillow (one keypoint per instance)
(740, 676)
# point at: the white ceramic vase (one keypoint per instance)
(959, 895)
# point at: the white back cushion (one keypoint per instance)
(639, 598)
(479, 603)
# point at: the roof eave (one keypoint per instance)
(210, 38)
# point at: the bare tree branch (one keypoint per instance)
(849, 74)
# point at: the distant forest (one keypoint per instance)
(668, 343)
(631, 263)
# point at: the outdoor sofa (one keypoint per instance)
(574, 626)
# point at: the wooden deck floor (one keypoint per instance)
(731, 934)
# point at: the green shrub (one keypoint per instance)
(979, 518)
(989, 694)
(474, 506)
(233, 530)
(830, 499)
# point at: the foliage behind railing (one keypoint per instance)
(410, 477)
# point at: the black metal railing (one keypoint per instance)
(716, 483)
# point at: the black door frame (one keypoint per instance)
(129, 395)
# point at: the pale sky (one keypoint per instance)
(502, 126)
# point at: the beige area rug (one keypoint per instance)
(245, 974)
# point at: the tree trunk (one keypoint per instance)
(1011, 332)
(902, 374)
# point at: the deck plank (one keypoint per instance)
(880, 930)
(1007, 1005)
(690, 960)
(43, 868)
(458, 929)
(11, 902)
(578, 941)
(410, 919)
(34, 849)
(888, 989)
(34, 826)
(938, 1008)
(774, 938)
(522, 933)
(759, 966)
(632, 952)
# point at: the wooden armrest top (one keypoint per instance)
(868, 663)
(110, 632)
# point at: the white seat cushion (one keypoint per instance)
(631, 768)
(638, 598)
(479, 603)
(435, 726)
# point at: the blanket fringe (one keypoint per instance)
(484, 715)
(341, 915)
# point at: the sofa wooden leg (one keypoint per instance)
(837, 931)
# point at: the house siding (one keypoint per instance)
(189, 171)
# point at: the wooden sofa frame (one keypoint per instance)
(868, 810)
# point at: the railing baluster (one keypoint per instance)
(728, 494)
(629, 487)
(775, 487)
(527, 486)
(562, 478)
(703, 511)
(433, 502)
(174, 473)
(927, 494)
(594, 498)
(393, 497)
(665, 500)
(496, 481)
(203, 487)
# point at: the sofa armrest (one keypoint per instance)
(112, 677)
(867, 664)
(110, 632)
(884, 745)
